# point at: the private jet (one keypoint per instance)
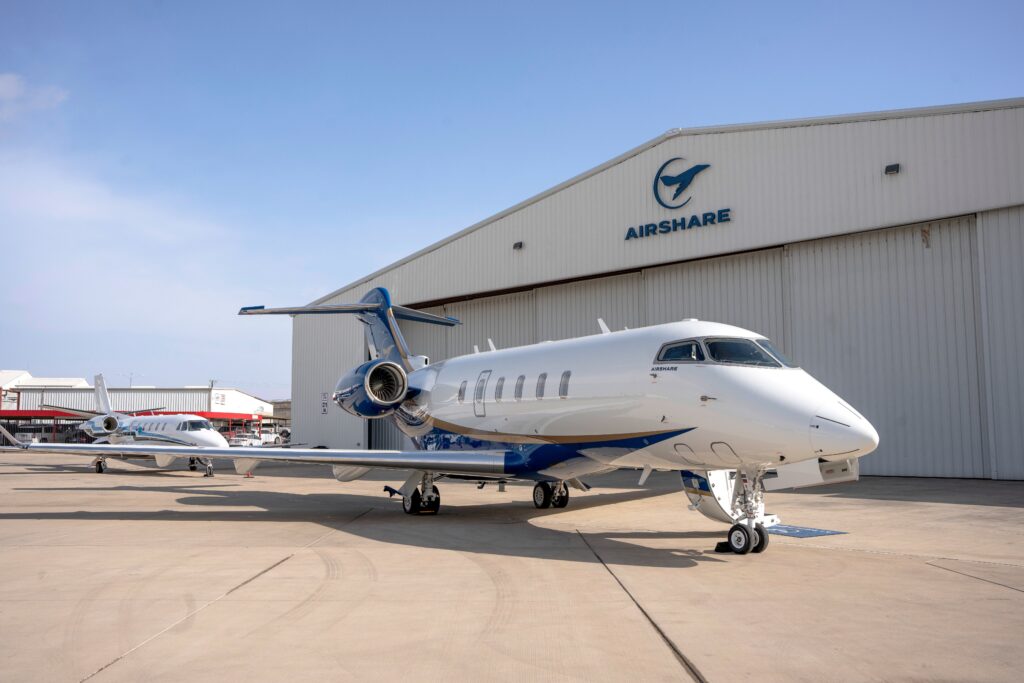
(719, 404)
(143, 427)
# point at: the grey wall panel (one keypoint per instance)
(745, 290)
(572, 309)
(887, 319)
(183, 400)
(323, 348)
(508, 320)
(427, 340)
(1001, 245)
(784, 183)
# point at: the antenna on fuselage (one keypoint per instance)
(476, 349)
(490, 343)
(604, 327)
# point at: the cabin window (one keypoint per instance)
(681, 352)
(770, 348)
(740, 352)
(462, 391)
(498, 389)
(181, 426)
(481, 385)
(563, 385)
(541, 381)
(519, 387)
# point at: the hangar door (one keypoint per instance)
(887, 319)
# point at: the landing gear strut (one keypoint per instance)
(192, 466)
(424, 500)
(546, 494)
(209, 467)
(749, 534)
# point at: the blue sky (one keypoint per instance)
(163, 163)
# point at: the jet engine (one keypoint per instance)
(101, 426)
(374, 389)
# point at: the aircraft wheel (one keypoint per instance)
(101, 467)
(762, 539)
(739, 539)
(192, 464)
(542, 495)
(411, 504)
(434, 506)
(561, 499)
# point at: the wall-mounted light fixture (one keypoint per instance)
(892, 169)
(517, 246)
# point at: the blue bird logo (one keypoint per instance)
(681, 181)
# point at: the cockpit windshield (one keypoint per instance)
(197, 425)
(770, 348)
(739, 352)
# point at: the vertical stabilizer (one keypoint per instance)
(102, 398)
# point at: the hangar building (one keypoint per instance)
(883, 252)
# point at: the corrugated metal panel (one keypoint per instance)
(783, 185)
(427, 340)
(121, 399)
(508, 320)
(323, 348)
(572, 310)
(745, 290)
(1001, 246)
(887, 320)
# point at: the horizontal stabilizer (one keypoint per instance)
(78, 412)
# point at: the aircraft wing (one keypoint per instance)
(470, 463)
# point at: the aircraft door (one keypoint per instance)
(479, 409)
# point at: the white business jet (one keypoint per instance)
(121, 428)
(717, 403)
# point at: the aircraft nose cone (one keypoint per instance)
(837, 430)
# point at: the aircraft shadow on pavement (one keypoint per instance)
(501, 528)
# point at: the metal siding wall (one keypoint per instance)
(572, 310)
(888, 322)
(744, 290)
(323, 348)
(508, 320)
(183, 400)
(427, 340)
(784, 184)
(1001, 240)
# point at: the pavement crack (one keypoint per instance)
(972, 576)
(218, 598)
(683, 660)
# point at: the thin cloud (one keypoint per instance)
(17, 97)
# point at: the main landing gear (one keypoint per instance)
(424, 500)
(100, 464)
(192, 465)
(209, 466)
(546, 494)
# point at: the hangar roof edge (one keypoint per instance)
(938, 110)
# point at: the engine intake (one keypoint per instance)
(374, 389)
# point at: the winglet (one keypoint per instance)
(10, 437)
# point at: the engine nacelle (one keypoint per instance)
(101, 426)
(374, 389)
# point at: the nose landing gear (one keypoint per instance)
(100, 464)
(748, 534)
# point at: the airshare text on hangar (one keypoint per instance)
(676, 224)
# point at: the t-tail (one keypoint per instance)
(379, 315)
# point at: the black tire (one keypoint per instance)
(562, 499)
(542, 495)
(411, 504)
(740, 539)
(762, 539)
(100, 467)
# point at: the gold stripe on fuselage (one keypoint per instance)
(539, 438)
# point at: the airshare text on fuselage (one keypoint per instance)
(676, 224)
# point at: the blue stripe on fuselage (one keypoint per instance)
(524, 460)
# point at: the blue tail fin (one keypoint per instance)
(380, 316)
